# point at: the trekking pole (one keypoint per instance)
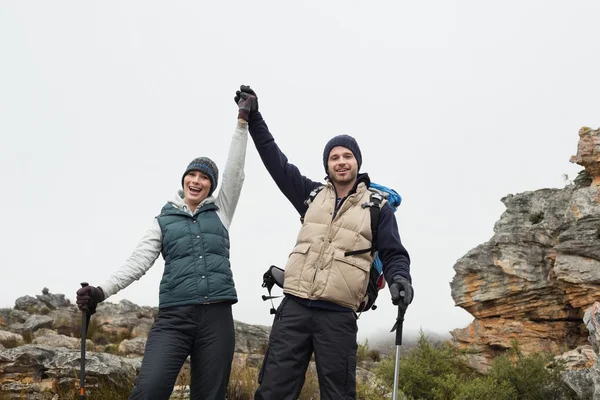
(84, 325)
(398, 328)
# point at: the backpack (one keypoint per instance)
(274, 275)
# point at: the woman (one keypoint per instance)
(197, 288)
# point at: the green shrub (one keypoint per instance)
(362, 351)
(366, 391)
(485, 388)
(424, 370)
(441, 373)
(112, 348)
(532, 377)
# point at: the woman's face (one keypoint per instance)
(196, 186)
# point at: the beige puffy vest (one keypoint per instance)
(317, 268)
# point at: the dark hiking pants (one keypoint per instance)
(206, 333)
(298, 331)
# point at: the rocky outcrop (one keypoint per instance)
(583, 364)
(534, 279)
(42, 372)
(588, 153)
(40, 347)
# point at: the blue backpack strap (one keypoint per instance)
(389, 194)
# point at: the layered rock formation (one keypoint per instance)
(534, 279)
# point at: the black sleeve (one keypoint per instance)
(295, 186)
(393, 255)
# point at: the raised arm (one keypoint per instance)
(295, 186)
(233, 176)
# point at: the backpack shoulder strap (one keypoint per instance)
(374, 204)
(311, 198)
(375, 209)
(313, 194)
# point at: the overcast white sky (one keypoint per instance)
(455, 104)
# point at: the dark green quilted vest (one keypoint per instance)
(196, 253)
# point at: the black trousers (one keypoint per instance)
(204, 331)
(297, 332)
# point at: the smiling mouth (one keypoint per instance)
(194, 190)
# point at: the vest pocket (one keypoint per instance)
(295, 264)
(348, 279)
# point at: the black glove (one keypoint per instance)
(247, 102)
(402, 292)
(88, 298)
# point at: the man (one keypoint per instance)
(327, 273)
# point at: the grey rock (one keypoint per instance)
(10, 339)
(53, 301)
(45, 332)
(251, 338)
(33, 323)
(29, 304)
(67, 342)
(581, 382)
(134, 362)
(126, 306)
(9, 316)
(66, 320)
(133, 346)
(142, 328)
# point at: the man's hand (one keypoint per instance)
(402, 292)
(247, 102)
(88, 298)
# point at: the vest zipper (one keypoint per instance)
(327, 236)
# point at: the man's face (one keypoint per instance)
(342, 166)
